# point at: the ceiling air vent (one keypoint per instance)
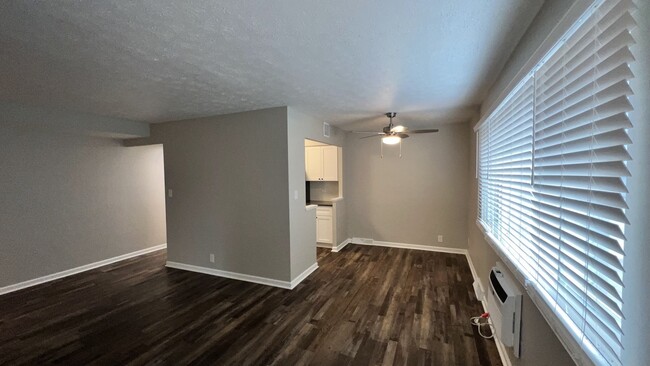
(326, 129)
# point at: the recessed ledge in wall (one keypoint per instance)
(71, 122)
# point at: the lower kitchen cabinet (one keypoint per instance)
(324, 228)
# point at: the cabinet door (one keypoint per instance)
(324, 230)
(313, 163)
(330, 163)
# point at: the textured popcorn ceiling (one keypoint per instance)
(346, 62)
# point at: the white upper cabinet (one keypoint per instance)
(314, 163)
(330, 163)
(322, 163)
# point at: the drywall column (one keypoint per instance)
(302, 126)
(228, 176)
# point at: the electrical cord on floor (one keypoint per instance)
(480, 322)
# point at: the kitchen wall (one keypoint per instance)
(413, 199)
(323, 191)
(302, 126)
(69, 198)
(229, 176)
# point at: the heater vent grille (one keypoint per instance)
(326, 129)
(504, 306)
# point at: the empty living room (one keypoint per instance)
(202, 182)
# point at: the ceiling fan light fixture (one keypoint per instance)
(391, 139)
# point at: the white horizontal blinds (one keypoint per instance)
(509, 171)
(483, 157)
(552, 172)
(581, 122)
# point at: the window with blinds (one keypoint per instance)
(552, 173)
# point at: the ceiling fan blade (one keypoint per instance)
(402, 135)
(366, 132)
(425, 131)
(377, 135)
(399, 129)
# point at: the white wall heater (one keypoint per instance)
(504, 306)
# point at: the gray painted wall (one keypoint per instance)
(339, 208)
(548, 17)
(57, 120)
(68, 199)
(413, 199)
(302, 126)
(229, 176)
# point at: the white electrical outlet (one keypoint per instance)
(211, 257)
(295, 195)
(439, 238)
(170, 193)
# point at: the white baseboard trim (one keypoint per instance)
(474, 273)
(326, 246)
(409, 246)
(503, 354)
(289, 285)
(70, 272)
(232, 275)
(342, 245)
(296, 281)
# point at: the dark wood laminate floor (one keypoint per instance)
(363, 306)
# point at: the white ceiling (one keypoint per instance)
(346, 62)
